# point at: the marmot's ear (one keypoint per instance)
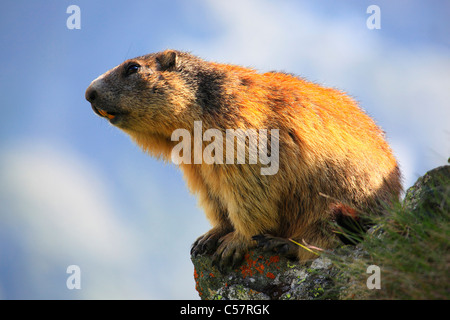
(167, 60)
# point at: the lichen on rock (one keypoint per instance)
(430, 193)
(263, 277)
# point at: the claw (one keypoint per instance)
(207, 243)
(276, 244)
(230, 252)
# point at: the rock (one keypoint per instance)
(430, 194)
(263, 277)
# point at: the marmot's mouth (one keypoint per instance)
(106, 114)
(103, 113)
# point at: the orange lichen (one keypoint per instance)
(260, 268)
(273, 259)
(251, 267)
(195, 274)
(246, 268)
(197, 285)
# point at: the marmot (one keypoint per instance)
(333, 160)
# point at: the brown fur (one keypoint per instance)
(328, 146)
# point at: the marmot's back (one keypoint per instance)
(332, 160)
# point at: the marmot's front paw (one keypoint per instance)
(277, 245)
(231, 251)
(208, 243)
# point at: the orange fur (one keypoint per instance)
(327, 145)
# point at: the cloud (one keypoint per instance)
(405, 88)
(56, 208)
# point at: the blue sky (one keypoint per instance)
(75, 190)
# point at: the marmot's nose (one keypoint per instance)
(91, 94)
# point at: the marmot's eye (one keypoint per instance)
(132, 68)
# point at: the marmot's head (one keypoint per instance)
(146, 95)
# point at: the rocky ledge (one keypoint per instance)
(264, 276)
